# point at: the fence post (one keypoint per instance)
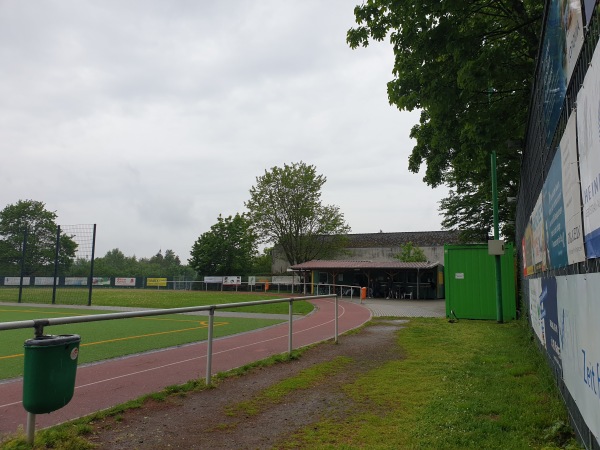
(211, 319)
(56, 255)
(336, 319)
(91, 276)
(23, 253)
(290, 326)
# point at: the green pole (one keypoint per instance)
(499, 313)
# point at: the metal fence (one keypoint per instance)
(39, 324)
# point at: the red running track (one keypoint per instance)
(103, 385)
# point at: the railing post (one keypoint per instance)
(290, 326)
(211, 320)
(336, 319)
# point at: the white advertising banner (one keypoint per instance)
(213, 279)
(285, 279)
(232, 281)
(536, 312)
(16, 281)
(44, 281)
(588, 135)
(573, 28)
(571, 194)
(101, 281)
(125, 281)
(579, 315)
(76, 281)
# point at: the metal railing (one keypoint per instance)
(39, 324)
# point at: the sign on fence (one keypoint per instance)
(16, 281)
(213, 279)
(125, 282)
(44, 281)
(232, 281)
(76, 281)
(156, 282)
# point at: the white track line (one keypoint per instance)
(343, 311)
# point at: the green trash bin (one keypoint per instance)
(49, 374)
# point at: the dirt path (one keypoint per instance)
(210, 420)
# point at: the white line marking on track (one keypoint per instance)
(341, 307)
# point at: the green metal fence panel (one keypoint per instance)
(471, 282)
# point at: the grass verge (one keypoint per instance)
(469, 385)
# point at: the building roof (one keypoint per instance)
(318, 264)
(418, 238)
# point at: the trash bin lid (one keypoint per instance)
(52, 340)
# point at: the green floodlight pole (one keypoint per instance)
(499, 313)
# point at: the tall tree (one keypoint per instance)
(468, 66)
(228, 248)
(30, 220)
(285, 208)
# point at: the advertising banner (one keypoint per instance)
(76, 281)
(285, 279)
(156, 282)
(16, 281)
(579, 337)
(101, 281)
(536, 313)
(232, 281)
(572, 27)
(213, 279)
(539, 236)
(588, 135)
(589, 9)
(571, 192)
(125, 282)
(44, 281)
(548, 302)
(553, 69)
(554, 215)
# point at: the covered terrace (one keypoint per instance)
(383, 279)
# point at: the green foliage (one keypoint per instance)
(261, 264)
(285, 208)
(411, 253)
(468, 66)
(228, 248)
(29, 221)
(116, 264)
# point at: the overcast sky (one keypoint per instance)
(151, 118)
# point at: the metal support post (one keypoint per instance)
(336, 320)
(499, 312)
(211, 320)
(290, 326)
(30, 428)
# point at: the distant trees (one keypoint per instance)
(29, 221)
(411, 253)
(228, 248)
(285, 208)
(116, 264)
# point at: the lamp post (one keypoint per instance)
(499, 313)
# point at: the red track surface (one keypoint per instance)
(100, 386)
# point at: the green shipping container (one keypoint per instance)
(471, 282)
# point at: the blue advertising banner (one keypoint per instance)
(548, 301)
(554, 215)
